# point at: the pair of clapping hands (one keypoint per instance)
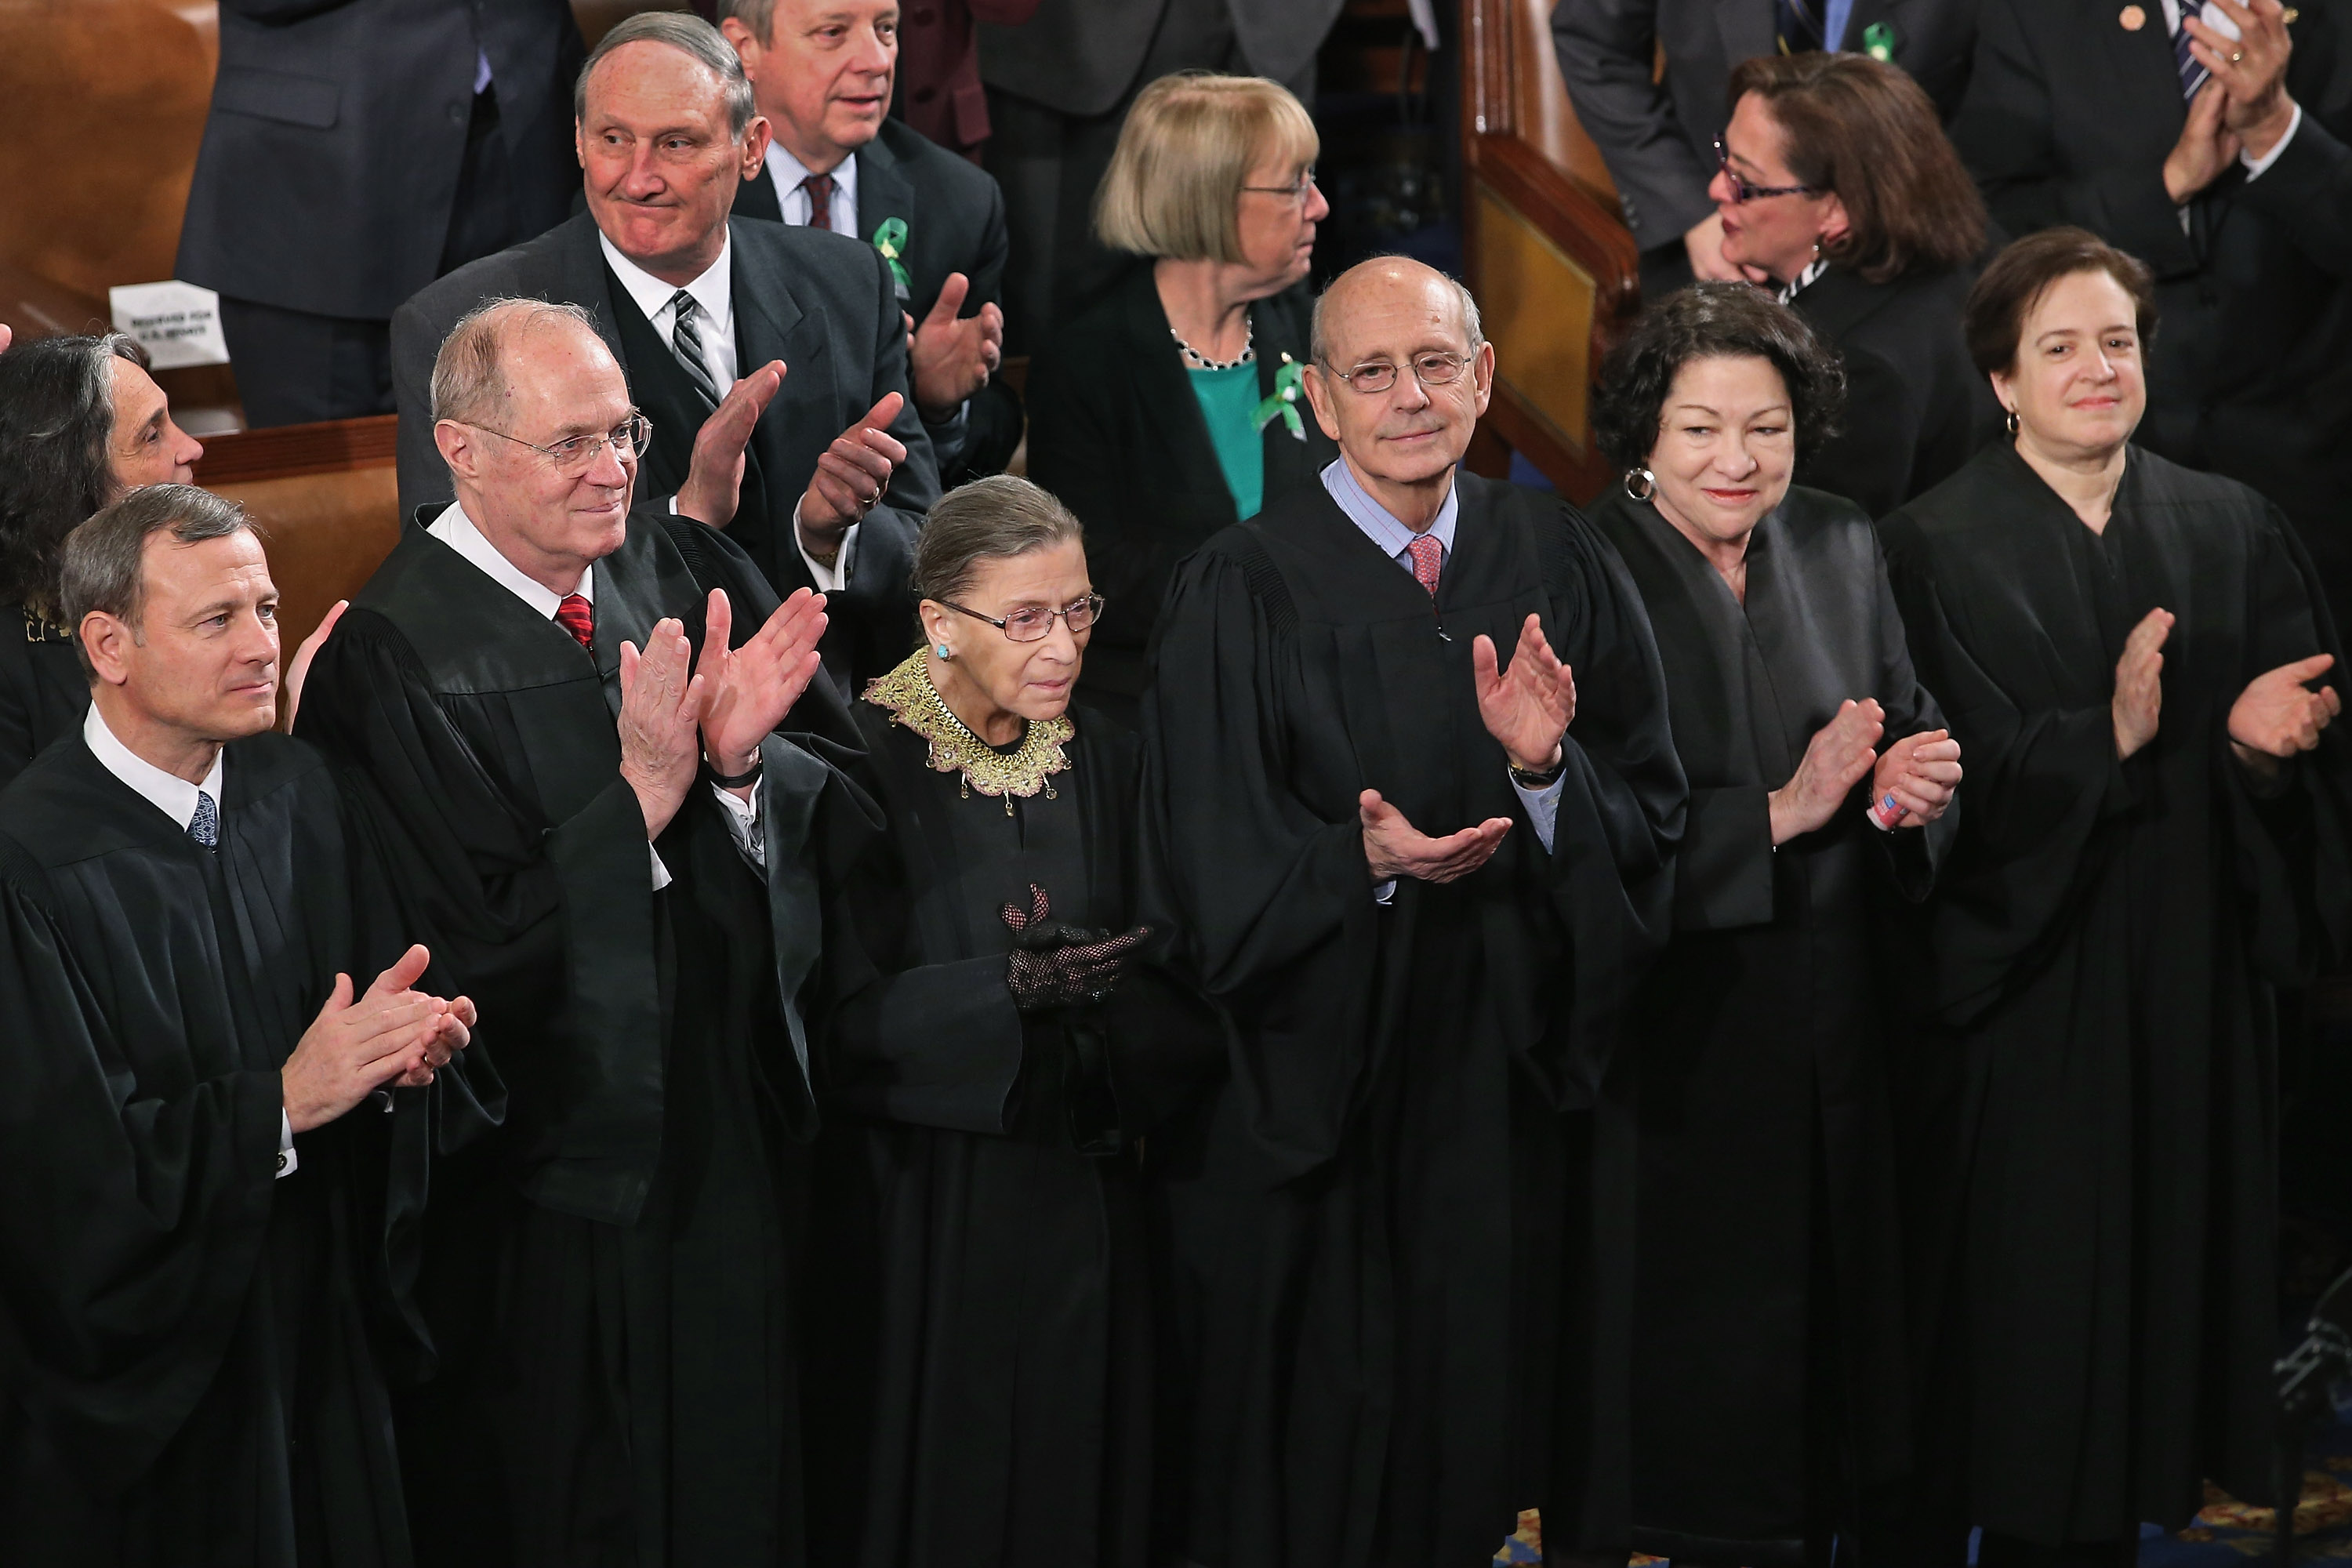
(676, 711)
(394, 1036)
(2244, 108)
(1528, 709)
(2273, 719)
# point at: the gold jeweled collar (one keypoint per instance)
(907, 695)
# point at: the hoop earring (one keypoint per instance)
(1646, 479)
(2011, 422)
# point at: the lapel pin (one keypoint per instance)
(2132, 18)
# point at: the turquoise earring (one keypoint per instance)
(943, 651)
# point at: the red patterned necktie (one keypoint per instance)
(1427, 555)
(575, 617)
(820, 190)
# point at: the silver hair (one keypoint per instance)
(470, 377)
(690, 35)
(104, 562)
(1318, 346)
(759, 15)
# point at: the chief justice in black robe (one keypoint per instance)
(1769, 1359)
(996, 1035)
(610, 1283)
(2155, 836)
(193, 1248)
(1391, 1328)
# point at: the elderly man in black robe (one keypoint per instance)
(1422, 883)
(606, 833)
(190, 1307)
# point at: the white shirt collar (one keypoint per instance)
(714, 291)
(788, 171)
(455, 530)
(172, 795)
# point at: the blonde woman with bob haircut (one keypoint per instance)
(1171, 407)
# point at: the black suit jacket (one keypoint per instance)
(2069, 120)
(1080, 56)
(954, 215)
(1116, 433)
(821, 302)
(1658, 137)
(1916, 409)
(330, 161)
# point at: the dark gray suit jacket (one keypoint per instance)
(1080, 57)
(1658, 138)
(330, 159)
(821, 302)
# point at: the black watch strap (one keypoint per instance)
(749, 775)
(1543, 780)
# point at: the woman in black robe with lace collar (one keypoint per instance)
(995, 1033)
(2142, 668)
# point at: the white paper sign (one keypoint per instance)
(177, 323)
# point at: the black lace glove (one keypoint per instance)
(1056, 964)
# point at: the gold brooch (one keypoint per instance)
(907, 695)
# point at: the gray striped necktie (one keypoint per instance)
(204, 826)
(686, 342)
(2192, 74)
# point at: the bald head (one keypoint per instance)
(1387, 282)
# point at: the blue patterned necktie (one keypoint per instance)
(2192, 74)
(204, 826)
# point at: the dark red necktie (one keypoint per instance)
(575, 617)
(820, 190)
(1428, 554)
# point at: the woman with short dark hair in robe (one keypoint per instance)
(81, 422)
(1767, 1368)
(2143, 669)
(994, 1034)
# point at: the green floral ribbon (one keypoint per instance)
(890, 240)
(1289, 384)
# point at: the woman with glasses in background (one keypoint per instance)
(1838, 192)
(994, 1033)
(1173, 408)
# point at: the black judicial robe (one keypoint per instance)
(1769, 1351)
(982, 1352)
(1396, 1232)
(608, 1283)
(189, 1344)
(43, 692)
(2107, 936)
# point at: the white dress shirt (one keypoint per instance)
(176, 797)
(455, 530)
(1395, 539)
(788, 171)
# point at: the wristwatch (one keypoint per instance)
(1543, 780)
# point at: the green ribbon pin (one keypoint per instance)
(1290, 382)
(890, 240)
(1878, 42)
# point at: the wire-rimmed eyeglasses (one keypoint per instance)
(1432, 369)
(1033, 623)
(576, 455)
(1741, 191)
(1296, 189)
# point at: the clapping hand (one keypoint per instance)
(1919, 773)
(2250, 70)
(952, 357)
(2139, 701)
(2278, 715)
(2206, 149)
(394, 1033)
(1529, 707)
(1835, 759)
(850, 476)
(1393, 847)
(661, 709)
(748, 689)
(714, 481)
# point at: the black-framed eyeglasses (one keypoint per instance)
(1741, 191)
(1296, 189)
(1432, 369)
(1035, 623)
(575, 455)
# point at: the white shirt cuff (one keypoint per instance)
(1386, 892)
(743, 825)
(661, 872)
(1542, 805)
(829, 579)
(2254, 166)
(288, 1162)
